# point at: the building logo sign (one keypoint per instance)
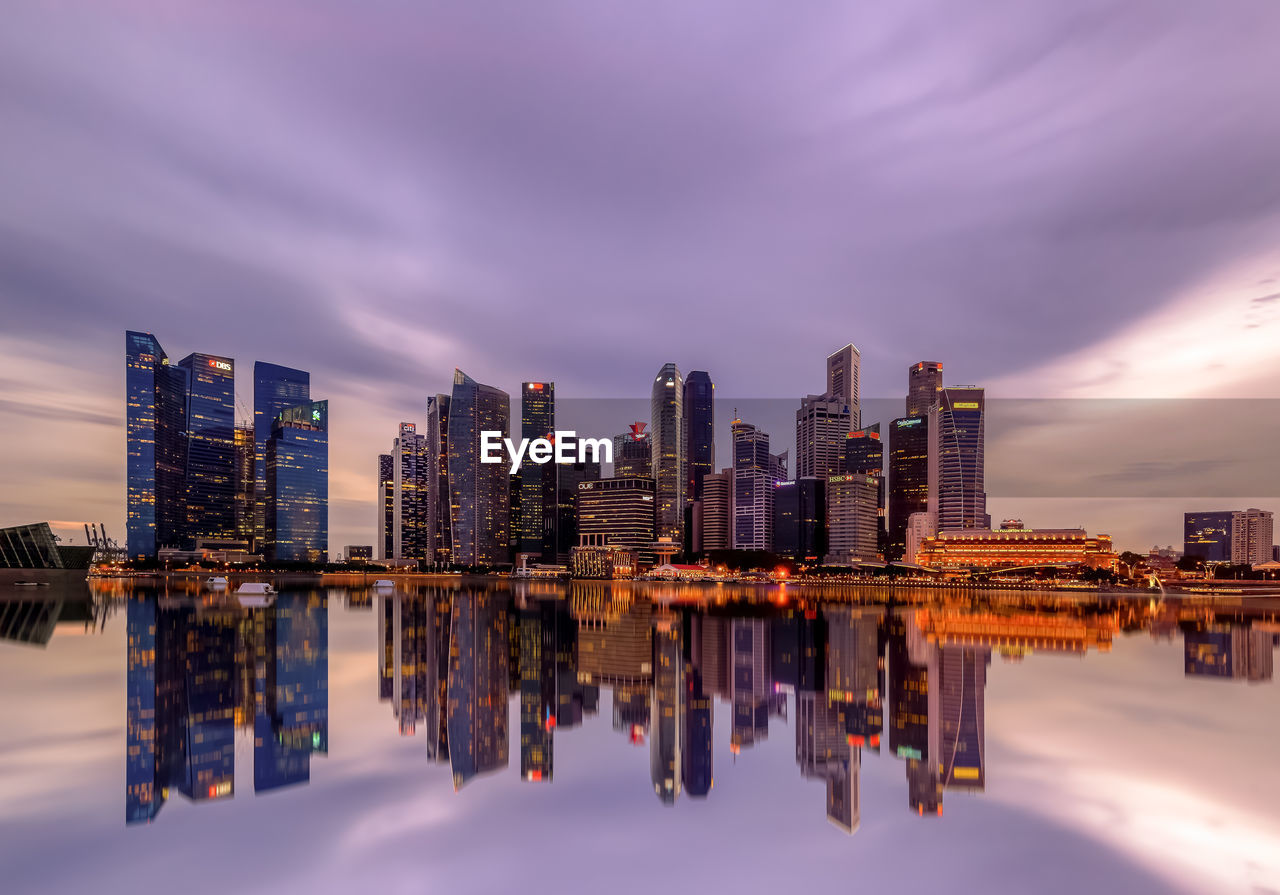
(564, 447)
(222, 365)
(637, 431)
(965, 405)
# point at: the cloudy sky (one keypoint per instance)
(1057, 200)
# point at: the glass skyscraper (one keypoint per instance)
(479, 493)
(666, 409)
(957, 466)
(211, 454)
(908, 477)
(699, 432)
(297, 523)
(274, 388)
(155, 447)
(535, 526)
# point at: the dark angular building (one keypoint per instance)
(211, 457)
(908, 477)
(632, 456)
(386, 503)
(534, 527)
(1207, 535)
(476, 713)
(297, 523)
(924, 382)
(699, 431)
(274, 388)
(439, 516)
(957, 464)
(799, 518)
(155, 447)
(569, 478)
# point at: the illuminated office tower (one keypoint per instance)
(439, 515)
(914, 708)
(778, 468)
(1227, 651)
(924, 382)
(535, 522)
(245, 485)
(632, 456)
(1251, 534)
(298, 484)
(412, 473)
(211, 452)
(666, 409)
(908, 477)
(386, 506)
(822, 425)
(699, 432)
(864, 455)
(274, 388)
(479, 651)
(749, 684)
(844, 367)
(207, 715)
(146, 739)
(479, 492)
(800, 518)
(155, 447)
(753, 478)
(665, 761)
(569, 480)
(618, 513)
(962, 682)
(853, 521)
(537, 690)
(713, 512)
(1208, 535)
(957, 466)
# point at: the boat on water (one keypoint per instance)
(217, 582)
(383, 583)
(31, 584)
(254, 593)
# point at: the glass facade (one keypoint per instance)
(274, 388)
(1208, 535)
(908, 477)
(155, 447)
(211, 456)
(298, 484)
(479, 493)
(535, 524)
(957, 465)
(800, 518)
(752, 520)
(666, 410)
(699, 431)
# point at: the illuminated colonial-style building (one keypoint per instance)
(1010, 548)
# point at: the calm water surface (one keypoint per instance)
(481, 737)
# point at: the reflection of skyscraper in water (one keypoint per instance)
(664, 745)
(477, 685)
(413, 632)
(1228, 651)
(537, 690)
(913, 710)
(963, 684)
(148, 735)
(695, 728)
(750, 692)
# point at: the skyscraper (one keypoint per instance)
(908, 477)
(298, 484)
(632, 456)
(666, 409)
(713, 511)
(386, 503)
(853, 523)
(569, 479)
(924, 382)
(957, 466)
(844, 367)
(864, 455)
(412, 473)
(211, 454)
(274, 388)
(617, 512)
(753, 478)
(155, 447)
(822, 425)
(699, 431)
(1251, 534)
(800, 518)
(245, 484)
(439, 515)
(535, 525)
(479, 492)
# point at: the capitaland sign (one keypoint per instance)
(564, 447)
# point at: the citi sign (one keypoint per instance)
(562, 447)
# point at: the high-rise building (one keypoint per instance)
(957, 468)
(386, 504)
(844, 367)
(864, 455)
(1208, 535)
(155, 447)
(852, 518)
(479, 492)
(962, 689)
(211, 452)
(699, 431)
(908, 477)
(665, 760)
(1228, 651)
(412, 477)
(632, 456)
(822, 424)
(298, 484)
(617, 513)
(244, 485)
(569, 479)
(696, 725)
(800, 518)
(1251, 534)
(439, 515)
(478, 676)
(713, 511)
(535, 525)
(666, 409)
(924, 382)
(274, 388)
(753, 468)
